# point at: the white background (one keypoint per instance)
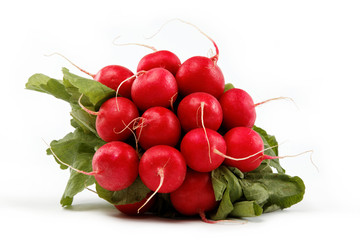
(306, 50)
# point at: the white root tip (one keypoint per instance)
(244, 158)
(215, 57)
(202, 106)
(161, 174)
(278, 98)
(64, 163)
(84, 108)
(71, 62)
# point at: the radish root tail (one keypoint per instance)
(202, 106)
(72, 63)
(128, 79)
(296, 155)
(213, 58)
(68, 165)
(161, 175)
(245, 158)
(172, 101)
(206, 220)
(136, 44)
(84, 108)
(277, 98)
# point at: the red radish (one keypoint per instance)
(195, 195)
(242, 142)
(197, 147)
(162, 169)
(113, 117)
(238, 109)
(158, 126)
(189, 111)
(111, 76)
(160, 59)
(132, 208)
(245, 149)
(201, 74)
(115, 166)
(156, 87)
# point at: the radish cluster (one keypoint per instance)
(169, 126)
(184, 126)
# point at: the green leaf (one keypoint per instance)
(76, 149)
(246, 209)
(281, 190)
(83, 119)
(78, 181)
(45, 84)
(225, 207)
(255, 191)
(228, 86)
(94, 92)
(224, 179)
(135, 193)
(73, 144)
(271, 145)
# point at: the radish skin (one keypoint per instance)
(195, 195)
(158, 126)
(160, 59)
(198, 150)
(166, 161)
(156, 87)
(189, 112)
(238, 108)
(113, 117)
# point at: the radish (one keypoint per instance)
(192, 107)
(162, 169)
(242, 142)
(158, 126)
(195, 195)
(245, 149)
(111, 76)
(201, 74)
(156, 87)
(160, 59)
(239, 108)
(132, 208)
(115, 166)
(198, 146)
(113, 117)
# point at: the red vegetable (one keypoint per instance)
(160, 59)
(197, 147)
(158, 126)
(190, 111)
(156, 87)
(195, 195)
(238, 109)
(162, 169)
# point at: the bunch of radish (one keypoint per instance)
(172, 123)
